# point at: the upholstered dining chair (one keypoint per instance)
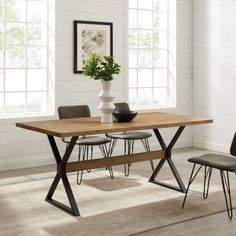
(129, 138)
(86, 143)
(224, 164)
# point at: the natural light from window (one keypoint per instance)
(151, 80)
(23, 57)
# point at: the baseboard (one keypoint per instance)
(211, 146)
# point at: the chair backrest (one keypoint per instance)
(233, 146)
(122, 106)
(67, 112)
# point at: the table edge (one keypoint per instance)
(114, 130)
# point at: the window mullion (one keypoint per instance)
(4, 72)
(26, 57)
(168, 55)
(152, 52)
(47, 94)
(137, 89)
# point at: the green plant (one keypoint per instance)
(101, 67)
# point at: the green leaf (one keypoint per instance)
(103, 68)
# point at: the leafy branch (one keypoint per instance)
(103, 68)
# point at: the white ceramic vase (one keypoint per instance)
(106, 105)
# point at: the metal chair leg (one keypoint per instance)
(226, 188)
(191, 179)
(207, 179)
(91, 155)
(108, 154)
(147, 148)
(81, 155)
(105, 153)
(126, 167)
(112, 146)
(128, 149)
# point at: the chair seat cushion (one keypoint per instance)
(130, 135)
(91, 140)
(216, 161)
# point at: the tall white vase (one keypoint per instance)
(106, 106)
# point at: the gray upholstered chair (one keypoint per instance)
(224, 164)
(129, 138)
(85, 143)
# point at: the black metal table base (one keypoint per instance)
(61, 175)
(181, 187)
(62, 162)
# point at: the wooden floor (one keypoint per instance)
(213, 225)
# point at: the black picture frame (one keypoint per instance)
(79, 53)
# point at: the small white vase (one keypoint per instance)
(106, 105)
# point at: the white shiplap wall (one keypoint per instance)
(214, 71)
(20, 148)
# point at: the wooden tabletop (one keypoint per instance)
(85, 126)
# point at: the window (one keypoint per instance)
(23, 57)
(149, 73)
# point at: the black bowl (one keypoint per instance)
(124, 116)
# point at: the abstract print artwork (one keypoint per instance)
(92, 41)
(91, 37)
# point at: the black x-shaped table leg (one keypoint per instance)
(61, 171)
(61, 174)
(168, 158)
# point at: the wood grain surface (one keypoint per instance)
(114, 161)
(87, 126)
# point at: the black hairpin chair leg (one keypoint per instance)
(105, 153)
(207, 176)
(86, 153)
(207, 179)
(81, 157)
(147, 148)
(191, 179)
(226, 188)
(128, 149)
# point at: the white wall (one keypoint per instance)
(214, 71)
(20, 148)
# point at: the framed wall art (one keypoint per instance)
(91, 37)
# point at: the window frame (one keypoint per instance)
(26, 113)
(169, 104)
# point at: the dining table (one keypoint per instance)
(73, 128)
